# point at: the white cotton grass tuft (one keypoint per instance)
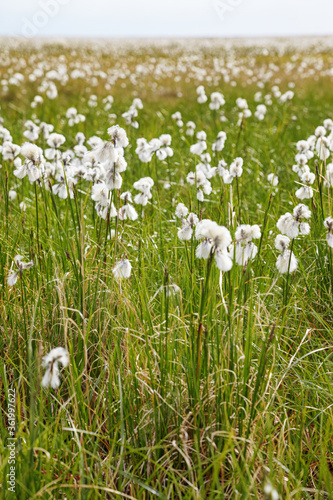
(127, 211)
(286, 261)
(186, 231)
(12, 194)
(118, 136)
(245, 233)
(273, 179)
(105, 163)
(236, 167)
(218, 145)
(51, 363)
(245, 249)
(245, 112)
(181, 210)
(205, 167)
(203, 249)
(260, 112)
(33, 165)
(205, 229)
(143, 185)
(292, 224)
(282, 242)
(122, 269)
(106, 152)
(10, 151)
(12, 279)
(245, 253)
(306, 192)
(202, 98)
(145, 149)
(32, 132)
(55, 140)
(165, 150)
(199, 147)
(223, 259)
(241, 103)
(216, 239)
(235, 170)
(270, 492)
(22, 266)
(100, 194)
(323, 147)
(329, 175)
(216, 100)
(202, 183)
(219, 235)
(328, 223)
(190, 128)
(130, 116)
(31, 152)
(177, 116)
(287, 96)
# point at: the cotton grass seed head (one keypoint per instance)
(286, 262)
(22, 266)
(181, 210)
(328, 223)
(118, 136)
(122, 269)
(282, 242)
(32, 152)
(55, 140)
(51, 363)
(219, 239)
(292, 224)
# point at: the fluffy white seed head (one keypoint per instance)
(203, 249)
(328, 223)
(286, 262)
(244, 253)
(122, 269)
(301, 212)
(106, 152)
(219, 235)
(50, 362)
(118, 136)
(55, 140)
(32, 152)
(273, 179)
(185, 233)
(282, 242)
(181, 210)
(223, 260)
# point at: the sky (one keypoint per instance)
(165, 18)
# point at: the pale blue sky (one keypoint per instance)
(110, 18)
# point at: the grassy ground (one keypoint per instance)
(217, 391)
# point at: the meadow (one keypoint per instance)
(166, 270)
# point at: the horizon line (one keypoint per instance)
(167, 37)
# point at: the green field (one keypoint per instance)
(193, 378)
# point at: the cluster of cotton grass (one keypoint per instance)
(215, 239)
(105, 162)
(160, 146)
(311, 152)
(111, 180)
